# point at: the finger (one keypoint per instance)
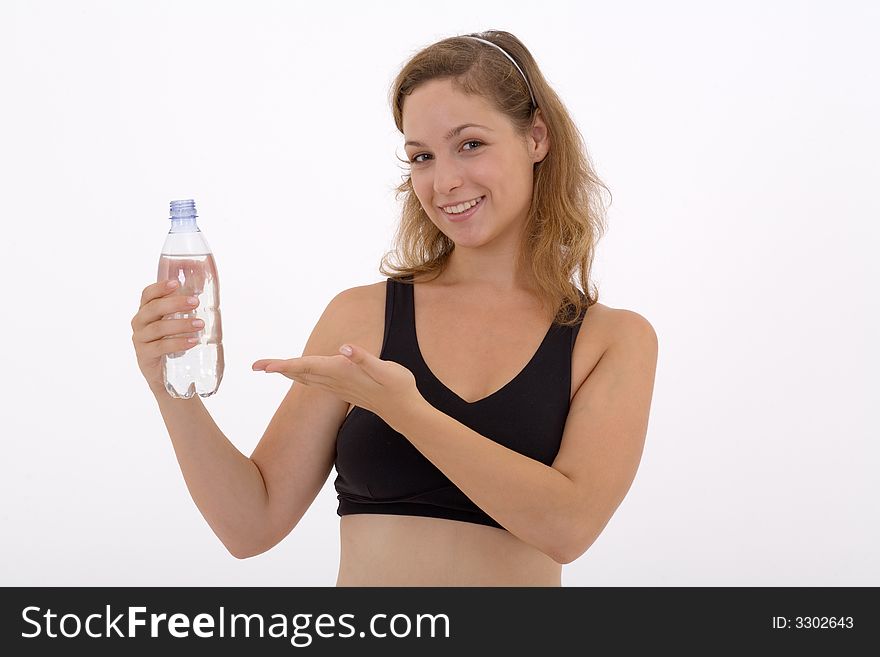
(285, 365)
(171, 327)
(159, 348)
(275, 365)
(154, 291)
(325, 367)
(360, 356)
(164, 307)
(158, 290)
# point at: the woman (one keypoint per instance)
(484, 425)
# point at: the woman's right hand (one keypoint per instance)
(151, 330)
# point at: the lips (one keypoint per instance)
(467, 214)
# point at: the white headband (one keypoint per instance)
(512, 61)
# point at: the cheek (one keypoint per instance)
(513, 185)
(420, 184)
(423, 192)
(500, 176)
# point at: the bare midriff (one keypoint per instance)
(395, 550)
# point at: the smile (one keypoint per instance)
(467, 213)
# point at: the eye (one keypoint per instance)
(415, 159)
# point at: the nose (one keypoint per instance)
(447, 176)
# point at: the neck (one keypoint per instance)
(493, 274)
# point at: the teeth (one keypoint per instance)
(461, 207)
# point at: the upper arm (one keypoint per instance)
(607, 421)
(297, 450)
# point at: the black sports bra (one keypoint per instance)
(379, 470)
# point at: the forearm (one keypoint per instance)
(531, 500)
(226, 485)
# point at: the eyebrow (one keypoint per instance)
(452, 133)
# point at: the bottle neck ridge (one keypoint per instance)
(187, 225)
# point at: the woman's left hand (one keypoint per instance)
(380, 386)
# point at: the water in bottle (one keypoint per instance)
(187, 258)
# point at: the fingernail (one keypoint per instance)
(345, 349)
(171, 284)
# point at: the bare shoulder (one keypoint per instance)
(357, 314)
(632, 343)
(359, 297)
(613, 325)
(631, 326)
(604, 329)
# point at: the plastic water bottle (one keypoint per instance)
(187, 258)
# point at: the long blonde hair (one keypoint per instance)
(567, 214)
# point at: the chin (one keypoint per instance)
(471, 241)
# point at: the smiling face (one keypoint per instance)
(487, 161)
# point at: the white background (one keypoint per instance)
(740, 143)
